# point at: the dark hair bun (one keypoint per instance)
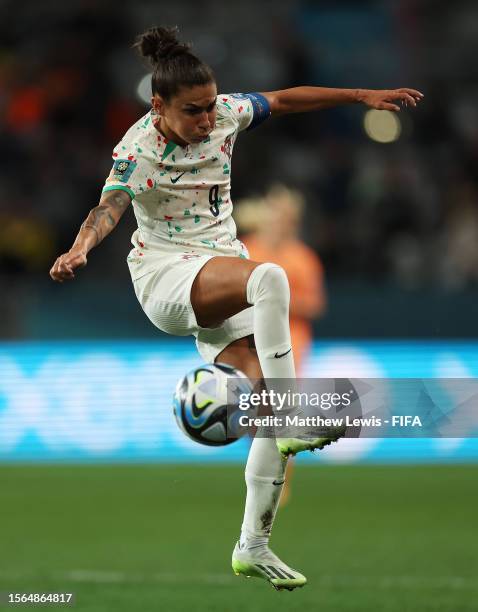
(160, 44)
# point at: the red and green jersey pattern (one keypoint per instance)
(182, 195)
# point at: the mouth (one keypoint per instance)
(202, 136)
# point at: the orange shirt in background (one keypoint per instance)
(306, 279)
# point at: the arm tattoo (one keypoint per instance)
(86, 225)
(117, 199)
(104, 217)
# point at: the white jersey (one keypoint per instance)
(182, 195)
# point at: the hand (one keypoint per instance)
(64, 267)
(383, 99)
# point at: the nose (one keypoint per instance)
(204, 121)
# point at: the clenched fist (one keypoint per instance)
(64, 267)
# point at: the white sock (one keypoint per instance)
(268, 291)
(265, 466)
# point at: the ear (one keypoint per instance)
(158, 104)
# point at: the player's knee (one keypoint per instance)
(277, 282)
(268, 282)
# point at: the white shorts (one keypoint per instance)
(164, 293)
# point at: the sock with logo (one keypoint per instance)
(268, 291)
(265, 474)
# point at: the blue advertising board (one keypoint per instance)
(111, 401)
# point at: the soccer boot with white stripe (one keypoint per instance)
(292, 446)
(262, 563)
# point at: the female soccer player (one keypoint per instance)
(189, 272)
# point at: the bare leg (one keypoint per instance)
(286, 491)
(219, 290)
(241, 354)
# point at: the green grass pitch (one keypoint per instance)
(159, 537)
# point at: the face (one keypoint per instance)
(283, 218)
(190, 115)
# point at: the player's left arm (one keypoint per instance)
(306, 99)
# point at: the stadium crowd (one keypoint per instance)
(405, 212)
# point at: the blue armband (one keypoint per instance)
(260, 107)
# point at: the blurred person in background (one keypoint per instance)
(274, 225)
(276, 239)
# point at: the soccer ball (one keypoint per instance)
(200, 404)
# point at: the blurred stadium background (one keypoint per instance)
(391, 209)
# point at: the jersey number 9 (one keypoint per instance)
(214, 200)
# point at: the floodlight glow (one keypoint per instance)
(143, 90)
(382, 126)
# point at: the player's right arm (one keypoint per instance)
(101, 220)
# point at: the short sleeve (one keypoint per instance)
(129, 173)
(249, 110)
